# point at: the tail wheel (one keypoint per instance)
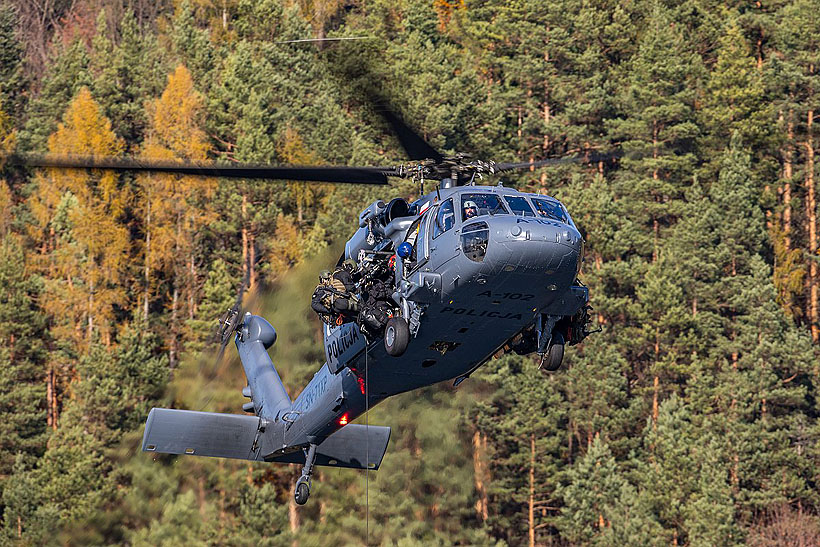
(551, 360)
(396, 336)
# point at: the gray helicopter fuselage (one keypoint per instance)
(470, 285)
(474, 281)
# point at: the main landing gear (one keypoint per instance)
(396, 336)
(552, 358)
(302, 491)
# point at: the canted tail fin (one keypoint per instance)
(265, 388)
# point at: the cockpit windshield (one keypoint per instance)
(519, 206)
(550, 209)
(475, 205)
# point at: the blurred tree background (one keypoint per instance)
(692, 419)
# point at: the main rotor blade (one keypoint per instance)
(413, 144)
(352, 69)
(586, 158)
(336, 174)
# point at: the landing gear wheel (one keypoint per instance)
(551, 360)
(396, 336)
(302, 493)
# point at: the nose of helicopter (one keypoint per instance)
(535, 245)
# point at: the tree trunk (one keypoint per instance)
(293, 514)
(90, 310)
(147, 270)
(172, 352)
(788, 173)
(531, 512)
(811, 210)
(655, 392)
(656, 384)
(479, 474)
(547, 112)
(252, 262)
(51, 399)
(245, 240)
(191, 286)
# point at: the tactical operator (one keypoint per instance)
(334, 299)
(376, 309)
(470, 210)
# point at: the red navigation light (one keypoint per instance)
(361, 384)
(343, 419)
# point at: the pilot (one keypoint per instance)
(333, 298)
(470, 209)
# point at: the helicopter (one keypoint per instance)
(473, 270)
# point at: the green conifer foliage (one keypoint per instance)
(711, 511)
(12, 79)
(218, 294)
(126, 74)
(22, 353)
(67, 73)
(594, 486)
(734, 98)
(191, 44)
(658, 125)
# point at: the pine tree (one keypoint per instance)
(126, 74)
(796, 79)
(218, 294)
(711, 510)
(594, 487)
(67, 73)
(22, 354)
(12, 79)
(191, 44)
(734, 97)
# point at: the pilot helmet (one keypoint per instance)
(324, 275)
(470, 204)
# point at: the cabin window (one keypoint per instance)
(417, 229)
(550, 209)
(474, 239)
(476, 205)
(445, 218)
(519, 206)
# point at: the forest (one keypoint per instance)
(691, 419)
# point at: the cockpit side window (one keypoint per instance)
(550, 209)
(445, 218)
(519, 206)
(476, 205)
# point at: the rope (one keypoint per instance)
(367, 448)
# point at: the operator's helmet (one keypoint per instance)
(349, 264)
(470, 208)
(324, 276)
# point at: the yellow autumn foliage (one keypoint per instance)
(293, 151)
(7, 143)
(5, 208)
(84, 242)
(174, 207)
